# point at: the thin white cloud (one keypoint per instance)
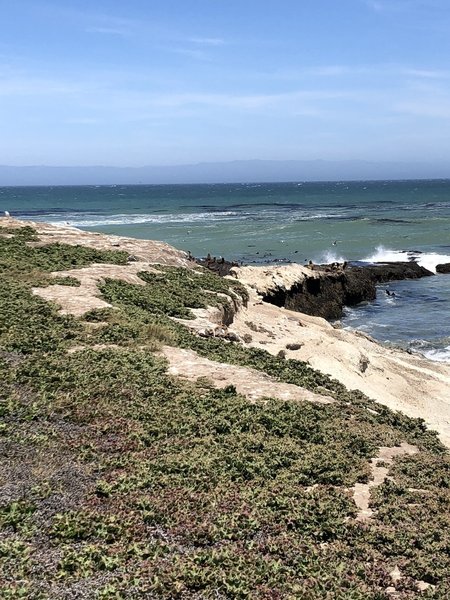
(207, 41)
(333, 70)
(376, 5)
(92, 20)
(114, 96)
(298, 102)
(386, 6)
(28, 86)
(195, 47)
(315, 71)
(109, 30)
(436, 110)
(190, 53)
(355, 72)
(82, 121)
(427, 73)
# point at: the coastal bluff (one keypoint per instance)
(167, 433)
(277, 317)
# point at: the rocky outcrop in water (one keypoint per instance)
(444, 268)
(324, 290)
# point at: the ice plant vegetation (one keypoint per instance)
(122, 481)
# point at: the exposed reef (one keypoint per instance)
(220, 266)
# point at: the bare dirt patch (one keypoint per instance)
(361, 491)
(79, 300)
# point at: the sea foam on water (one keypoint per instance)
(428, 260)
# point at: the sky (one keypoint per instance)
(171, 82)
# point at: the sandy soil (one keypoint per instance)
(361, 491)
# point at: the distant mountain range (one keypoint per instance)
(224, 172)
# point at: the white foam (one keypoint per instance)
(441, 355)
(77, 220)
(315, 217)
(329, 257)
(429, 260)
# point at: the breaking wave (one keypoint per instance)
(439, 355)
(429, 260)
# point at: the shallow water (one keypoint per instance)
(414, 315)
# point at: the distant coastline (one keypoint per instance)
(238, 171)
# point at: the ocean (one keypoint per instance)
(281, 222)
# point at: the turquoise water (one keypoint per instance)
(298, 221)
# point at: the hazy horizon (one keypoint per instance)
(246, 171)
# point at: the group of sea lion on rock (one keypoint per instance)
(332, 267)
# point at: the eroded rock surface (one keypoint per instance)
(143, 251)
(415, 385)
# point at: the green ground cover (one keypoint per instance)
(123, 482)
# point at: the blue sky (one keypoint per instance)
(183, 81)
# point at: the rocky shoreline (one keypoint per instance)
(326, 295)
(318, 290)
